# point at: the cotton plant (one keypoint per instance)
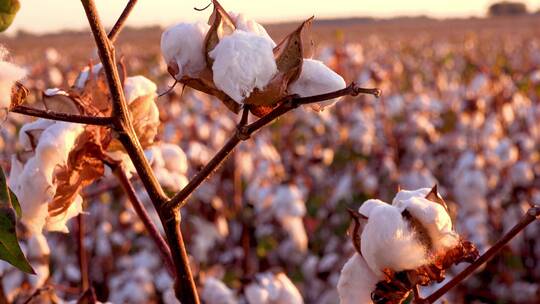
(401, 245)
(236, 60)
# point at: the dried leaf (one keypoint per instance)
(205, 84)
(62, 102)
(261, 111)
(289, 56)
(397, 285)
(140, 109)
(83, 167)
(291, 51)
(221, 25)
(355, 232)
(435, 197)
(18, 94)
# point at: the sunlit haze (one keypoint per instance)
(53, 15)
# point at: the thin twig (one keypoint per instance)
(113, 34)
(243, 132)
(531, 215)
(151, 228)
(88, 120)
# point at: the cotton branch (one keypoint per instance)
(82, 119)
(532, 214)
(113, 34)
(244, 132)
(151, 228)
(185, 288)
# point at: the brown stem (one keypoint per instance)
(113, 34)
(152, 230)
(184, 284)
(185, 288)
(122, 122)
(531, 215)
(88, 120)
(243, 132)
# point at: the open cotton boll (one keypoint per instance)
(216, 292)
(316, 78)
(137, 86)
(33, 182)
(388, 241)
(433, 217)
(242, 62)
(9, 74)
(243, 23)
(183, 44)
(170, 165)
(356, 282)
(272, 289)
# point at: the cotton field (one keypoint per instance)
(460, 110)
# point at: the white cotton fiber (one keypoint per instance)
(242, 62)
(183, 44)
(316, 78)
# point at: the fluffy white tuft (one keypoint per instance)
(245, 24)
(389, 242)
(272, 289)
(138, 86)
(216, 292)
(356, 282)
(183, 44)
(243, 61)
(316, 78)
(170, 165)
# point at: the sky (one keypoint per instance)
(41, 16)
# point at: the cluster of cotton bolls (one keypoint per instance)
(273, 219)
(243, 60)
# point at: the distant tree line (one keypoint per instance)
(507, 8)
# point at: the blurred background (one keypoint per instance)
(460, 109)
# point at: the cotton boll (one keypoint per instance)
(243, 62)
(9, 74)
(183, 44)
(59, 222)
(356, 282)
(170, 165)
(216, 292)
(389, 242)
(521, 174)
(316, 78)
(33, 182)
(138, 86)
(175, 159)
(272, 289)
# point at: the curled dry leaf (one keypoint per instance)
(84, 165)
(395, 288)
(18, 94)
(221, 25)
